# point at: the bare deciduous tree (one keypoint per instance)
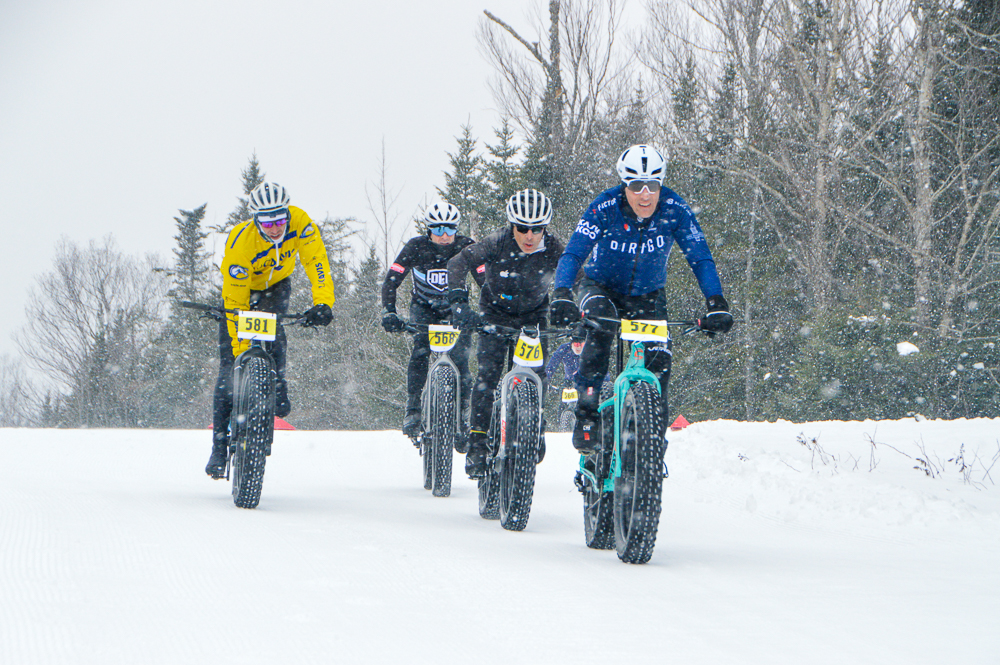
(382, 205)
(565, 90)
(88, 322)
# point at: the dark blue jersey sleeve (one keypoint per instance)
(580, 244)
(691, 240)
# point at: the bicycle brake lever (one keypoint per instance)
(707, 333)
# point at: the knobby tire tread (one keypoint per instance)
(489, 486)
(444, 429)
(254, 401)
(638, 492)
(517, 471)
(598, 513)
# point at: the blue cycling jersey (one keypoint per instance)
(570, 363)
(630, 256)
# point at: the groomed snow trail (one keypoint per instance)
(780, 542)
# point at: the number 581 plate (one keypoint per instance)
(257, 325)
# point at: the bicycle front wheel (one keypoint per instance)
(253, 425)
(443, 427)
(517, 466)
(638, 491)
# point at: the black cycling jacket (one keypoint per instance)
(429, 263)
(516, 286)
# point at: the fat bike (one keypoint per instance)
(251, 425)
(514, 439)
(440, 409)
(567, 409)
(622, 481)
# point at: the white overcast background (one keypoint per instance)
(114, 114)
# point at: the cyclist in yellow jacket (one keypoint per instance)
(259, 257)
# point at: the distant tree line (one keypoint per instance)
(843, 159)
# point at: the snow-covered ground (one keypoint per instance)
(779, 543)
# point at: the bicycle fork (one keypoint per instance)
(508, 383)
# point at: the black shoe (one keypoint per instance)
(541, 449)
(475, 459)
(282, 405)
(587, 435)
(217, 462)
(411, 423)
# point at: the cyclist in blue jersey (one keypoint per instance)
(622, 242)
(566, 357)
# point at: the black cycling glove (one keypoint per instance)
(718, 319)
(391, 322)
(563, 312)
(319, 315)
(463, 316)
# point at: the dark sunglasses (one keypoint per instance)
(443, 230)
(638, 185)
(521, 228)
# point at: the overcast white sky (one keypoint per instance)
(115, 113)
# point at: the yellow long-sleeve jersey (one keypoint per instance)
(252, 262)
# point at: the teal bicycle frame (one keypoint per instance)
(633, 372)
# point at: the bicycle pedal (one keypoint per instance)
(579, 482)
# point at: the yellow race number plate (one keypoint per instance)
(528, 352)
(442, 338)
(644, 331)
(257, 325)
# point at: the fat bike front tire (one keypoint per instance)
(517, 466)
(253, 412)
(439, 455)
(638, 491)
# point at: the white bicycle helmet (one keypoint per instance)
(442, 213)
(268, 197)
(529, 207)
(641, 162)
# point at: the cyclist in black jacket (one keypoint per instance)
(427, 257)
(518, 264)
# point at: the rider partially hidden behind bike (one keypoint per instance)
(623, 241)
(518, 263)
(427, 256)
(259, 258)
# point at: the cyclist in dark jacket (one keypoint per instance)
(623, 242)
(426, 257)
(517, 265)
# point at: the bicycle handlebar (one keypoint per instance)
(595, 322)
(592, 322)
(219, 313)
